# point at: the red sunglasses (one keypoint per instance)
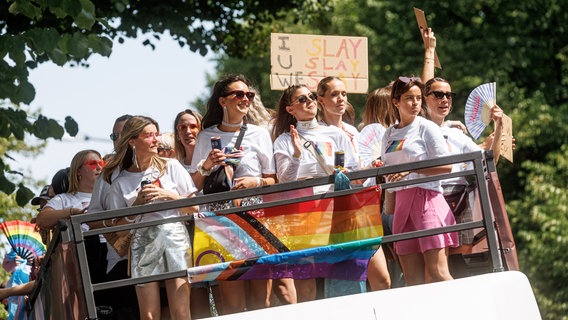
(93, 164)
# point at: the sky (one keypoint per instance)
(135, 79)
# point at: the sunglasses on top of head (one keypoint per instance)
(408, 79)
(240, 94)
(441, 95)
(93, 164)
(303, 98)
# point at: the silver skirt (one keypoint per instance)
(159, 249)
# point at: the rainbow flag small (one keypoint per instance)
(330, 238)
(395, 145)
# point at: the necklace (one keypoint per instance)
(232, 125)
(309, 124)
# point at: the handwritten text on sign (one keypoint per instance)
(306, 59)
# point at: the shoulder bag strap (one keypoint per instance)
(241, 136)
(230, 169)
(319, 157)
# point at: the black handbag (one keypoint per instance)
(218, 180)
(457, 196)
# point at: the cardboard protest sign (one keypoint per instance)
(306, 59)
(422, 25)
(507, 138)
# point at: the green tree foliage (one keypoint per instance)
(70, 31)
(522, 46)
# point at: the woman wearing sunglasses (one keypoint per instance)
(421, 206)
(187, 125)
(85, 167)
(438, 98)
(295, 126)
(226, 112)
(155, 249)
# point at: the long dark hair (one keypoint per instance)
(429, 83)
(283, 118)
(402, 85)
(214, 114)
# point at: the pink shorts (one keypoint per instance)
(420, 209)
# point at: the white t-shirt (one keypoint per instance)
(125, 187)
(458, 143)
(352, 139)
(420, 140)
(329, 139)
(370, 141)
(79, 200)
(100, 201)
(256, 147)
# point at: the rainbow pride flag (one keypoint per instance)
(329, 238)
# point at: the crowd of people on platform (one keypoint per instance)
(403, 122)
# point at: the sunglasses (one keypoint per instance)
(240, 94)
(164, 149)
(93, 164)
(150, 135)
(408, 79)
(303, 98)
(441, 95)
(184, 127)
(114, 136)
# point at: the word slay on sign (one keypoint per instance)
(306, 59)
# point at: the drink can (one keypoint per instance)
(339, 159)
(216, 143)
(144, 182)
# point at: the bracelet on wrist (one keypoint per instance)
(258, 182)
(129, 220)
(202, 170)
(104, 224)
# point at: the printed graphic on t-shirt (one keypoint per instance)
(395, 145)
(324, 148)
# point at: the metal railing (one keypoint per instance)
(482, 164)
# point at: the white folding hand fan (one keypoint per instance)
(478, 107)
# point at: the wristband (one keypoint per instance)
(257, 182)
(104, 224)
(201, 170)
(129, 220)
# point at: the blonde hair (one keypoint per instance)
(124, 152)
(76, 164)
(257, 114)
(167, 141)
(179, 147)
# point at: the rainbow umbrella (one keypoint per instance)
(23, 239)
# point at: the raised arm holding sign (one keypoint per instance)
(423, 26)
